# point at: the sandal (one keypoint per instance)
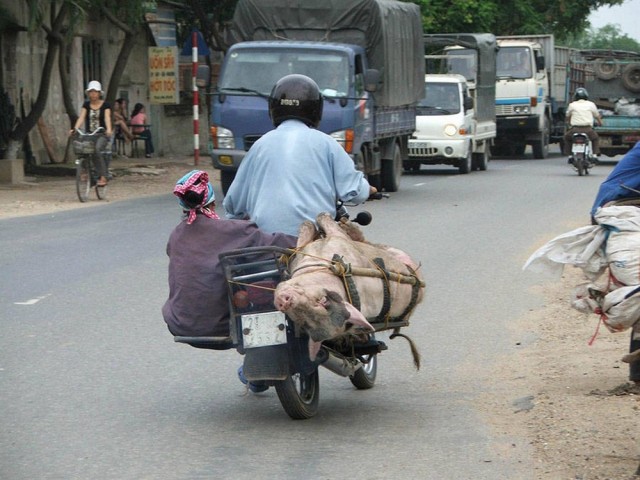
(102, 182)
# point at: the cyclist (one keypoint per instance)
(96, 113)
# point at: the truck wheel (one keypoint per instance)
(392, 170)
(374, 181)
(605, 69)
(226, 178)
(631, 77)
(481, 160)
(465, 163)
(541, 146)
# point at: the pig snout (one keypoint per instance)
(283, 300)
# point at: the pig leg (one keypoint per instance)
(329, 226)
(306, 234)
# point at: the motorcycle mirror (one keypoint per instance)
(363, 218)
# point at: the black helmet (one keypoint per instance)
(581, 94)
(295, 96)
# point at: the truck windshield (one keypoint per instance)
(259, 70)
(462, 61)
(514, 62)
(440, 99)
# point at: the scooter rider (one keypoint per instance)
(581, 115)
(294, 172)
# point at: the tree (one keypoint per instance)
(515, 17)
(609, 37)
(208, 17)
(55, 28)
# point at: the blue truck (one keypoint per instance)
(367, 57)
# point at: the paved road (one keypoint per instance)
(93, 387)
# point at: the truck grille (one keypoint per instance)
(249, 140)
(423, 152)
(504, 109)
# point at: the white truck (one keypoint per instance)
(530, 94)
(455, 122)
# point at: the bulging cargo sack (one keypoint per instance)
(620, 308)
(623, 255)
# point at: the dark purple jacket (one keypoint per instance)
(198, 302)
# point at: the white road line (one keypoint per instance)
(33, 301)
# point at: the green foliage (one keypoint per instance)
(608, 37)
(509, 17)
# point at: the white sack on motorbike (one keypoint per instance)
(579, 247)
(587, 247)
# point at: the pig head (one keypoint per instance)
(315, 298)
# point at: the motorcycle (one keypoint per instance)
(275, 350)
(581, 157)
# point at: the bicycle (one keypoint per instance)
(84, 147)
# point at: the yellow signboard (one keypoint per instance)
(163, 75)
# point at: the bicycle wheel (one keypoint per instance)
(101, 192)
(83, 179)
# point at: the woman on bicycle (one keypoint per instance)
(96, 113)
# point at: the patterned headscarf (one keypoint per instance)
(196, 182)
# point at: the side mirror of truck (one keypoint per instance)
(468, 103)
(539, 63)
(203, 76)
(372, 79)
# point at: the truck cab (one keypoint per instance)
(240, 113)
(444, 124)
(523, 109)
(455, 122)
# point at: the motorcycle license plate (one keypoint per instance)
(578, 148)
(263, 329)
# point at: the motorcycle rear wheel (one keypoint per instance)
(580, 165)
(299, 394)
(365, 377)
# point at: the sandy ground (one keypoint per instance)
(575, 406)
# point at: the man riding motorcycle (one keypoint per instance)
(580, 116)
(294, 172)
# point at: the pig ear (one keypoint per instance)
(356, 318)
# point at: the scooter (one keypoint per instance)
(275, 350)
(581, 158)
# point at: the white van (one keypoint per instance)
(447, 131)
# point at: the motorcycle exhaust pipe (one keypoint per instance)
(337, 363)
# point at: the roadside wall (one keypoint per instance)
(22, 57)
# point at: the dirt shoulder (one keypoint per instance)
(47, 194)
(574, 404)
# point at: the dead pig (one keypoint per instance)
(316, 299)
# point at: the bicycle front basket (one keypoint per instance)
(85, 146)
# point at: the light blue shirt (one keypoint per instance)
(291, 175)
